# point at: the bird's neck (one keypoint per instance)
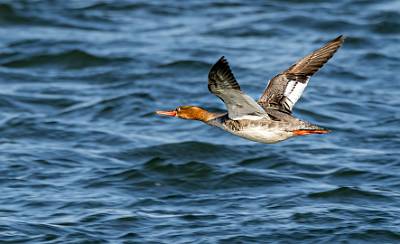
(204, 116)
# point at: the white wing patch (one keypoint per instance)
(293, 92)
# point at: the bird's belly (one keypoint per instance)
(263, 135)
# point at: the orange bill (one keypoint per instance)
(167, 113)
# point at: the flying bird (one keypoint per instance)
(270, 119)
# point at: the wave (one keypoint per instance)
(244, 179)
(181, 152)
(40, 104)
(9, 15)
(348, 173)
(379, 57)
(188, 170)
(345, 192)
(113, 107)
(386, 27)
(186, 64)
(73, 59)
(17, 14)
(321, 24)
(250, 31)
(114, 6)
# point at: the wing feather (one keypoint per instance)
(285, 89)
(222, 83)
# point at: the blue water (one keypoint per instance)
(84, 159)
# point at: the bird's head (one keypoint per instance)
(188, 112)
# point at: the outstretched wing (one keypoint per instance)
(223, 84)
(286, 88)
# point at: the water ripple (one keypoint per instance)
(85, 159)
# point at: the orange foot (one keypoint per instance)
(309, 132)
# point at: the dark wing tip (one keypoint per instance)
(310, 64)
(340, 37)
(338, 40)
(221, 76)
(221, 65)
(332, 46)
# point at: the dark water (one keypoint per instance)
(84, 159)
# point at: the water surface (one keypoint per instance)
(85, 160)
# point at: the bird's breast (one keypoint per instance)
(262, 134)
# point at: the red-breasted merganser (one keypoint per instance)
(269, 120)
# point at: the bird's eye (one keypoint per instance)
(178, 109)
